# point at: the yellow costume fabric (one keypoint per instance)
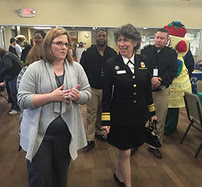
(181, 83)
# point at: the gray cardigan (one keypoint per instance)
(39, 78)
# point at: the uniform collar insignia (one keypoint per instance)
(142, 64)
(116, 67)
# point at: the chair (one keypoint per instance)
(194, 114)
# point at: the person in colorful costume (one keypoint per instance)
(181, 82)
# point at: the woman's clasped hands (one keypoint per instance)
(68, 95)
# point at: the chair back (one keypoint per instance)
(199, 86)
(193, 107)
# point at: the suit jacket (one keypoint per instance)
(165, 61)
(127, 97)
(93, 64)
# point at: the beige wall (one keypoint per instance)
(25, 32)
(141, 13)
(148, 13)
(8, 35)
(82, 38)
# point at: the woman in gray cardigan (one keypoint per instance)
(52, 130)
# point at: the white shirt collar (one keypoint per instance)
(125, 60)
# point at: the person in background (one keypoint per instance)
(19, 43)
(10, 67)
(93, 61)
(162, 61)
(52, 129)
(39, 36)
(181, 83)
(189, 62)
(79, 50)
(198, 65)
(12, 46)
(25, 51)
(34, 55)
(127, 100)
(12, 50)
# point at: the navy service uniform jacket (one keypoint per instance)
(127, 97)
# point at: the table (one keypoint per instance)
(196, 75)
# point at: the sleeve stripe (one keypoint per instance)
(105, 116)
(104, 113)
(151, 108)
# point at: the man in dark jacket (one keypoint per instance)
(12, 50)
(163, 65)
(12, 46)
(93, 61)
(189, 62)
(10, 67)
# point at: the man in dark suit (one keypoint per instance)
(12, 46)
(163, 65)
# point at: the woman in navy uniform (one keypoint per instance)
(127, 100)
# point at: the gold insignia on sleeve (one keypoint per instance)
(151, 108)
(116, 67)
(105, 116)
(142, 64)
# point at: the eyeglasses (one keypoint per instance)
(61, 44)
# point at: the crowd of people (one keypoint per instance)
(122, 91)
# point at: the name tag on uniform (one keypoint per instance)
(155, 72)
(121, 72)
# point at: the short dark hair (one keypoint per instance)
(163, 30)
(80, 44)
(12, 40)
(101, 29)
(43, 34)
(130, 32)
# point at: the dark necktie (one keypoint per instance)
(130, 65)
